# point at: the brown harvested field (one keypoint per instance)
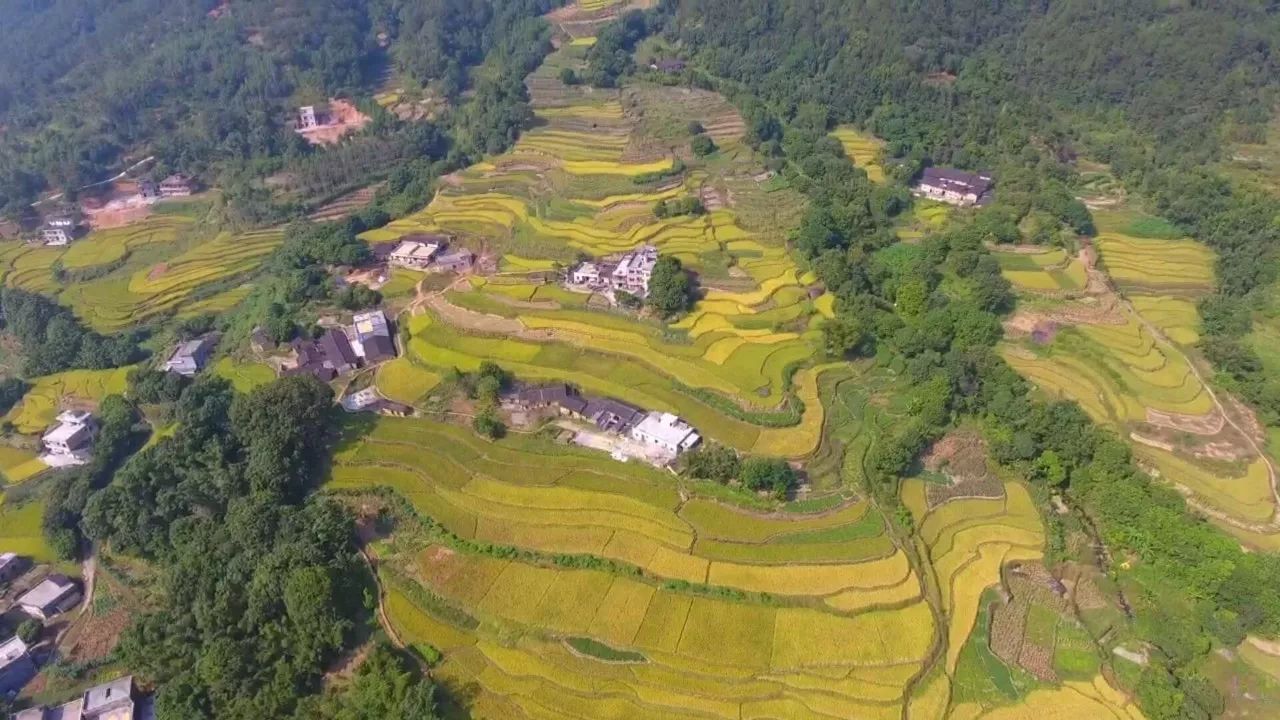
(577, 22)
(343, 206)
(662, 116)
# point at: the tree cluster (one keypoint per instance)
(261, 586)
(54, 340)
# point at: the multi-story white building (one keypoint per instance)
(665, 431)
(70, 442)
(634, 270)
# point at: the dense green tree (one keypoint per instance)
(384, 687)
(670, 287)
(711, 462)
(767, 474)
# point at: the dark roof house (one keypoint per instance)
(612, 415)
(260, 341)
(955, 186)
(176, 185)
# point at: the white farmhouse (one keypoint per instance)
(414, 254)
(666, 431)
(70, 442)
(587, 273)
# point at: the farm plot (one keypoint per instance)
(21, 533)
(29, 267)
(244, 377)
(1051, 270)
(1115, 372)
(1139, 264)
(863, 149)
(19, 464)
(638, 374)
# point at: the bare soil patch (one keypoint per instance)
(960, 456)
(344, 119)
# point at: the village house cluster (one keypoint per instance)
(630, 273)
(39, 598)
(657, 436)
(954, 187)
(367, 341)
(65, 222)
(430, 252)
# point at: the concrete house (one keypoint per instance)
(54, 595)
(71, 440)
(308, 117)
(665, 431)
(11, 566)
(176, 185)
(416, 253)
(668, 66)
(192, 356)
(455, 261)
(587, 273)
(370, 337)
(115, 700)
(59, 229)
(16, 666)
(634, 270)
(954, 187)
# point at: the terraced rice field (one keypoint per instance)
(1143, 254)
(969, 540)
(845, 633)
(863, 149)
(1135, 371)
(1096, 699)
(103, 247)
(1050, 270)
(118, 301)
(1115, 372)
(49, 394)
